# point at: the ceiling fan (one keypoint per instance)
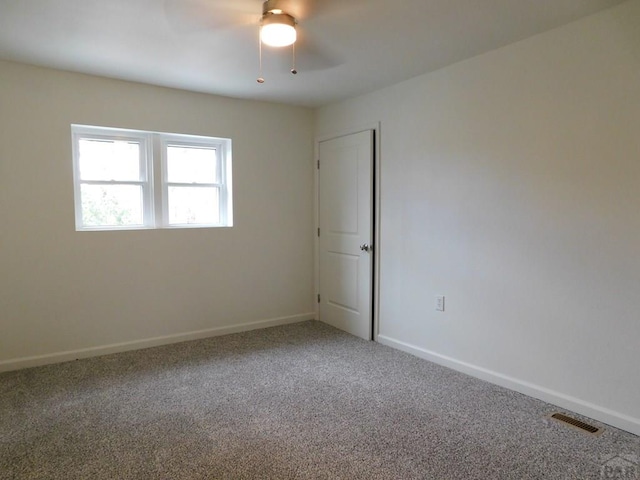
(277, 29)
(280, 23)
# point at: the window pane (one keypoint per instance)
(191, 164)
(109, 160)
(111, 205)
(194, 205)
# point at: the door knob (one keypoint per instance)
(365, 247)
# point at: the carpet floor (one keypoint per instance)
(303, 401)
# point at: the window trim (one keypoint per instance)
(153, 175)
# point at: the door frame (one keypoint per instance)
(375, 270)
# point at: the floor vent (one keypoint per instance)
(585, 427)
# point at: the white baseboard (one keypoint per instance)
(35, 361)
(602, 414)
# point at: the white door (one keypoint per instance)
(346, 233)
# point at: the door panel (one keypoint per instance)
(346, 223)
(342, 292)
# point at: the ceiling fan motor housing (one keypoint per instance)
(274, 6)
(274, 11)
(281, 18)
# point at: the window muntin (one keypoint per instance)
(116, 170)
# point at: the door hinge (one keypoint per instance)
(318, 164)
(318, 298)
(318, 231)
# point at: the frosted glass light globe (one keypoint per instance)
(278, 30)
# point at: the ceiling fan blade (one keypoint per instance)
(198, 15)
(312, 55)
(309, 57)
(303, 10)
(308, 9)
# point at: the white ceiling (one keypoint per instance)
(347, 47)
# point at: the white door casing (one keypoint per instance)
(346, 232)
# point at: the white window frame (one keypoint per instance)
(153, 175)
(223, 155)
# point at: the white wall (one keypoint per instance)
(510, 183)
(64, 291)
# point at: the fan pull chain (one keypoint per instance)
(293, 62)
(260, 79)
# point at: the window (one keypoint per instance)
(128, 179)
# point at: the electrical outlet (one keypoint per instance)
(440, 303)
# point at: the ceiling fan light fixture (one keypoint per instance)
(278, 30)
